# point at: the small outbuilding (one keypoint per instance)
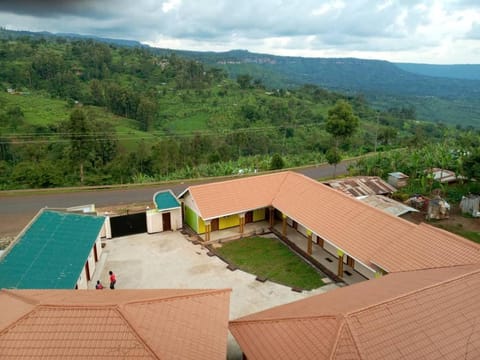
(470, 205)
(167, 214)
(398, 179)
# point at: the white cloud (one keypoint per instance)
(435, 31)
(171, 5)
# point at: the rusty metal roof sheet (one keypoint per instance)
(361, 186)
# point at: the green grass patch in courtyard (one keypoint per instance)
(268, 257)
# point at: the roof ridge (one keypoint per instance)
(410, 293)
(24, 298)
(63, 211)
(201, 292)
(345, 324)
(135, 332)
(285, 176)
(18, 320)
(295, 318)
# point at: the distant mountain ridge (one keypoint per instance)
(347, 74)
(446, 93)
(458, 71)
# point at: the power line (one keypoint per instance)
(46, 138)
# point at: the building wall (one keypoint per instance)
(362, 269)
(98, 245)
(82, 280)
(228, 221)
(194, 221)
(359, 267)
(191, 219)
(91, 263)
(188, 201)
(259, 214)
(176, 218)
(106, 229)
(155, 220)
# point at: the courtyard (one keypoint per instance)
(169, 260)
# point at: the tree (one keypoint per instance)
(245, 81)
(341, 122)
(471, 165)
(277, 162)
(78, 132)
(333, 157)
(146, 113)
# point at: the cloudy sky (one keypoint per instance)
(434, 31)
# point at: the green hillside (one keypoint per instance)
(456, 88)
(77, 111)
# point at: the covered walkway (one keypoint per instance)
(320, 258)
(320, 255)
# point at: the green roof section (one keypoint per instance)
(165, 200)
(51, 253)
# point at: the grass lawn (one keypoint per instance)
(268, 257)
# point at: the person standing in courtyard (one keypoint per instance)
(113, 279)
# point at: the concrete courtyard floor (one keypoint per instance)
(169, 260)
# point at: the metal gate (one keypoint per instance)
(128, 224)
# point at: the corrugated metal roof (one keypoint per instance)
(360, 230)
(165, 200)
(427, 314)
(361, 186)
(443, 175)
(51, 253)
(387, 204)
(90, 324)
(398, 175)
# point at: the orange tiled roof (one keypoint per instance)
(235, 196)
(165, 324)
(423, 314)
(367, 234)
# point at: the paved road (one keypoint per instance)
(17, 210)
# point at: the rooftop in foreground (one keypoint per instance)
(150, 324)
(423, 314)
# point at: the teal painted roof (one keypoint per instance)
(51, 253)
(165, 200)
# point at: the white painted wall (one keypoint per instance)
(362, 269)
(98, 245)
(301, 229)
(176, 218)
(106, 229)
(188, 201)
(82, 280)
(154, 221)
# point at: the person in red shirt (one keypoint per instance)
(99, 285)
(113, 279)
